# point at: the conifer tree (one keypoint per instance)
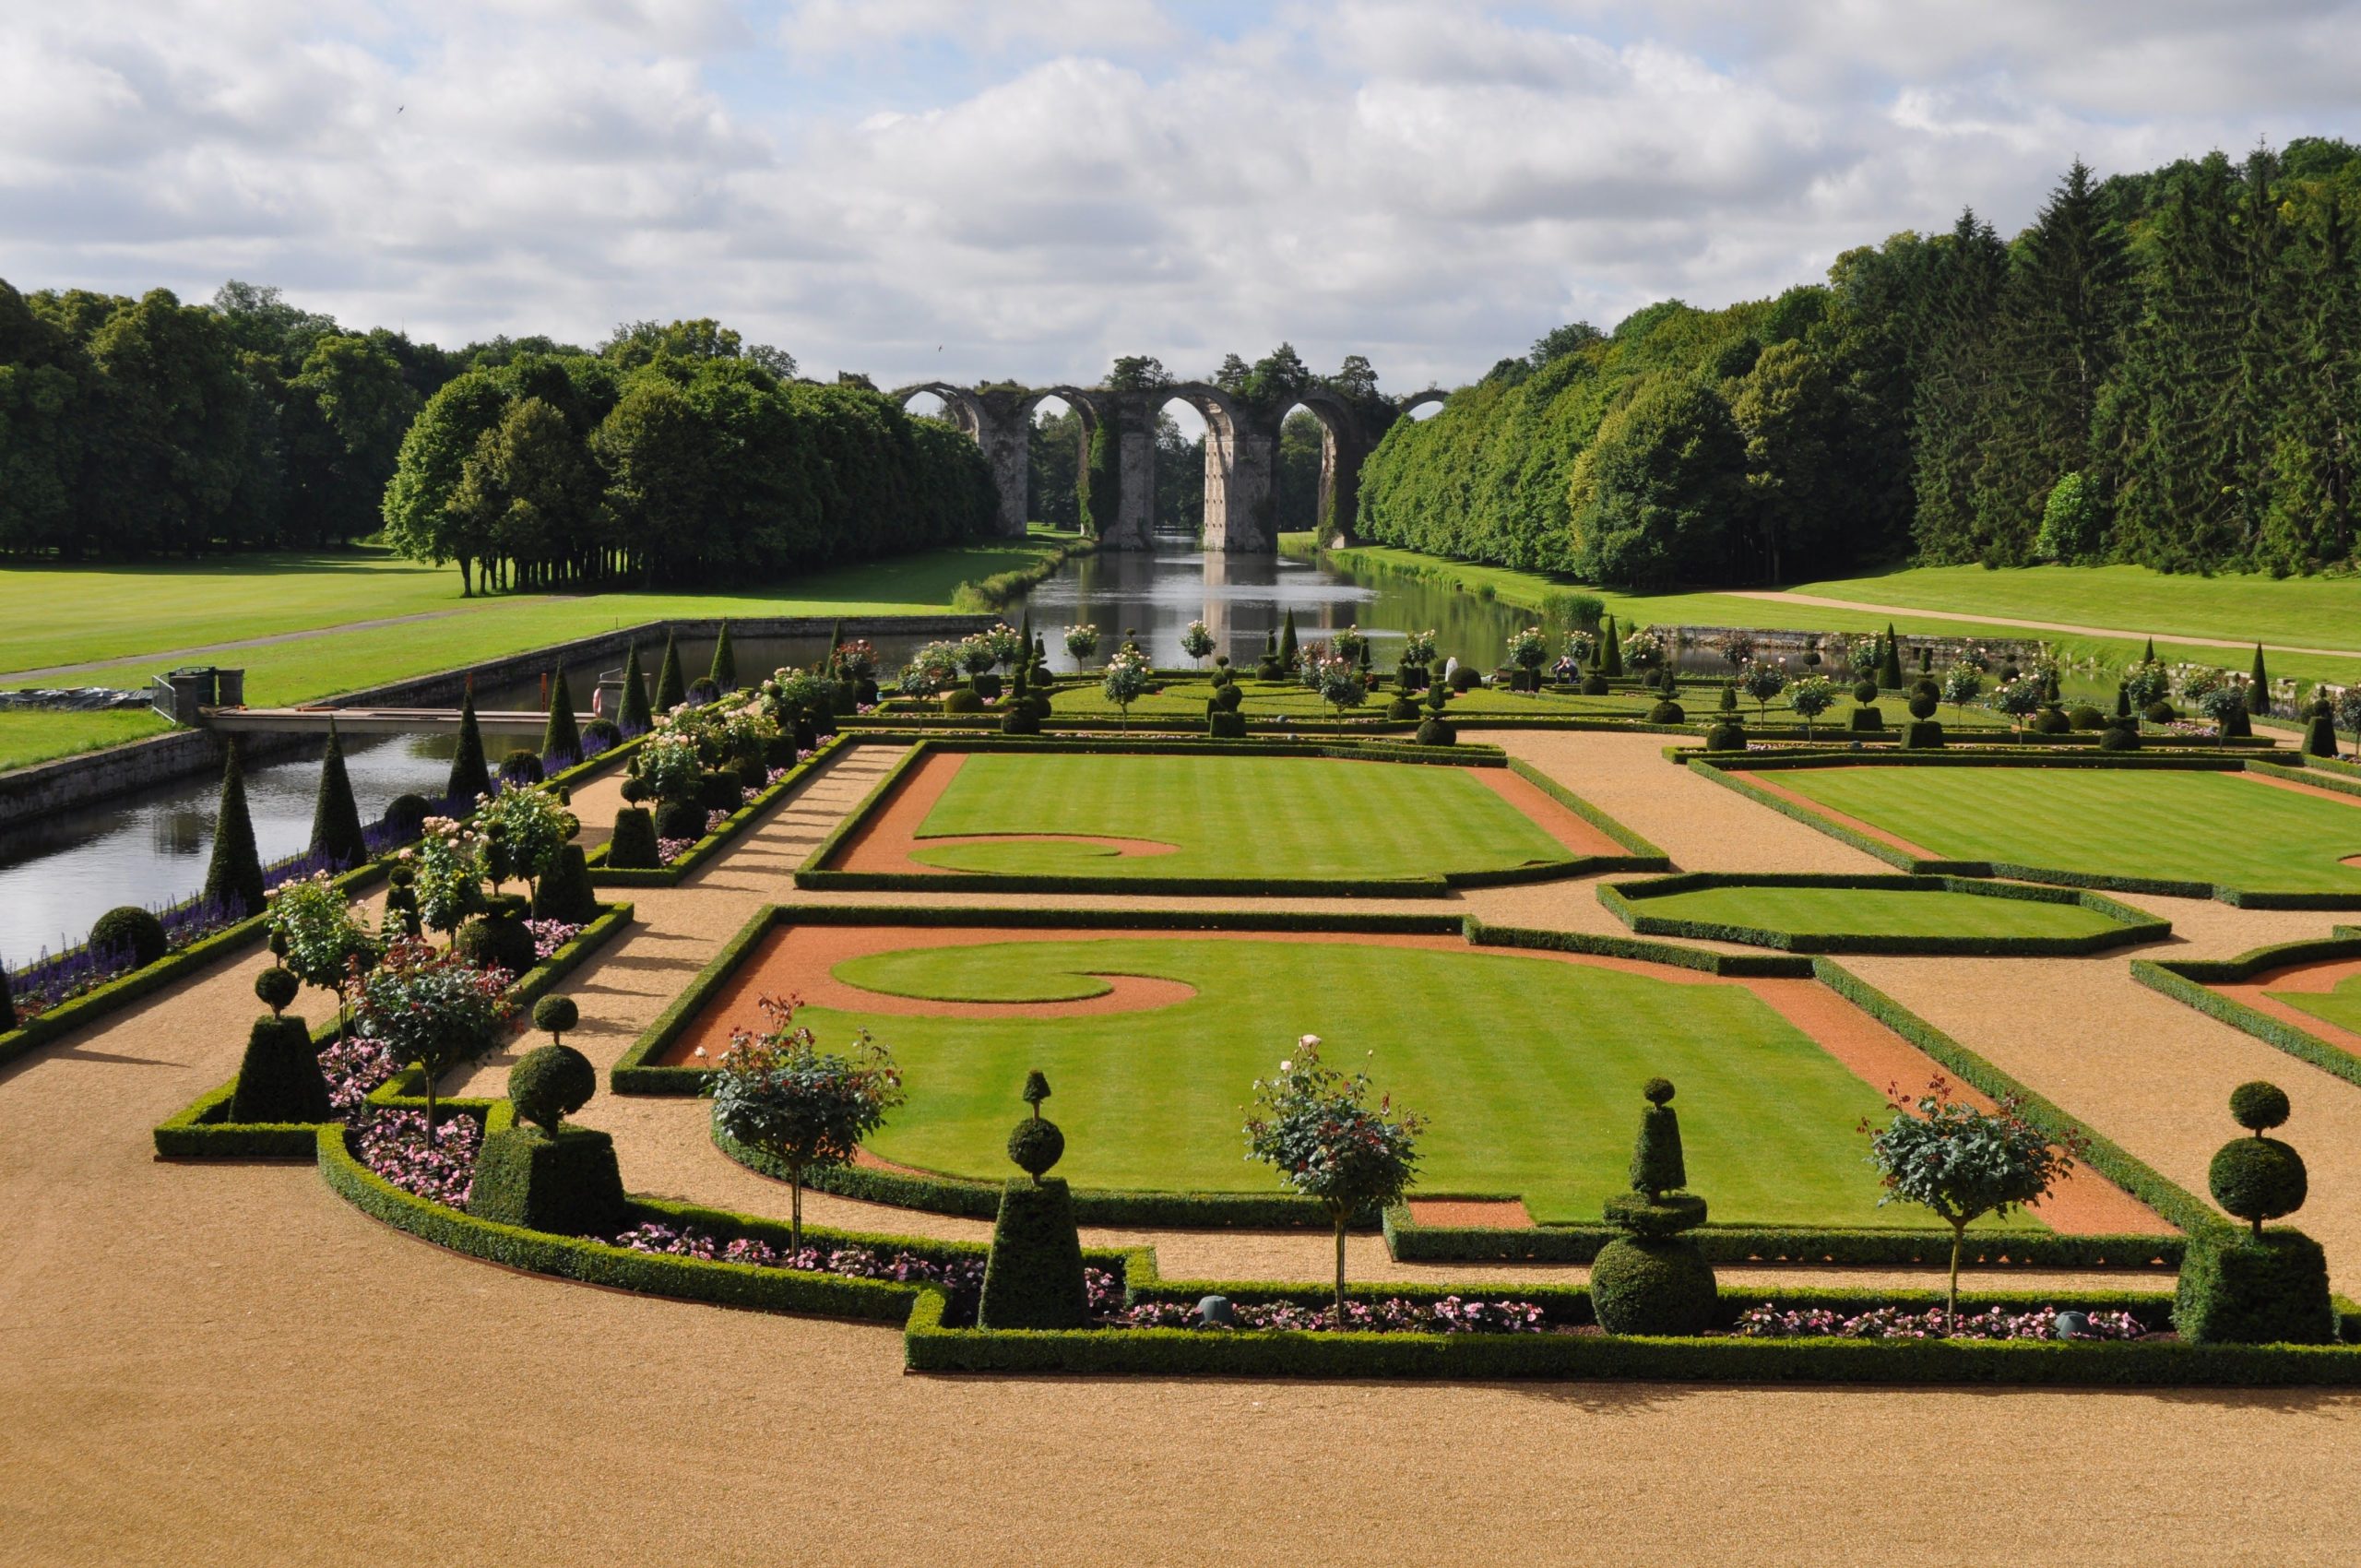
(634, 716)
(2258, 687)
(1610, 658)
(469, 776)
(724, 674)
(233, 877)
(562, 736)
(671, 690)
(336, 815)
(1290, 659)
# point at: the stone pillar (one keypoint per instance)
(1134, 438)
(1213, 529)
(1003, 427)
(1246, 494)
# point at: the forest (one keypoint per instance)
(2161, 369)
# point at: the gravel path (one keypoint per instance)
(226, 1363)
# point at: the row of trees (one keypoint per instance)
(2163, 368)
(671, 456)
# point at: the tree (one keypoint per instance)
(469, 777)
(336, 815)
(1124, 680)
(724, 674)
(1196, 641)
(234, 875)
(778, 1093)
(671, 690)
(2258, 687)
(2073, 528)
(1318, 1130)
(1652, 497)
(1963, 1163)
(1762, 681)
(562, 736)
(1811, 697)
(1562, 340)
(320, 935)
(431, 1009)
(631, 715)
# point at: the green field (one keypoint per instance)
(1528, 1068)
(2226, 828)
(1876, 912)
(1231, 816)
(2341, 1006)
(118, 625)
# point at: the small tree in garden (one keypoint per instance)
(1963, 683)
(778, 1092)
(1527, 650)
(1418, 647)
(1762, 682)
(234, 877)
(1349, 645)
(2146, 685)
(336, 815)
(2020, 699)
(1738, 648)
(1082, 642)
(1339, 682)
(2258, 1177)
(2224, 705)
(1124, 681)
(562, 736)
(320, 934)
(1196, 641)
(2348, 709)
(448, 871)
(1811, 697)
(1963, 1163)
(1644, 650)
(1318, 1130)
(429, 1008)
(1583, 649)
(531, 830)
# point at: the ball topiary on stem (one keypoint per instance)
(556, 1015)
(277, 987)
(2262, 1286)
(1036, 1143)
(551, 1082)
(1649, 1280)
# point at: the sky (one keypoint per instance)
(1023, 189)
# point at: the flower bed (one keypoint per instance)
(1768, 1321)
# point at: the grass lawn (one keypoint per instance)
(1282, 817)
(2341, 1006)
(2226, 828)
(1528, 1069)
(1876, 912)
(30, 736)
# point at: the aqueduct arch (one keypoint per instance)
(1242, 453)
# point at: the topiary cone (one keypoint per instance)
(469, 776)
(671, 690)
(1656, 1164)
(632, 716)
(724, 674)
(562, 736)
(336, 815)
(233, 877)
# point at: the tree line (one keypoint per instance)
(2163, 368)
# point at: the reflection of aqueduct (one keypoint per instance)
(1242, 453)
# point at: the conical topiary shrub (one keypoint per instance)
(632, 846)
(2258, 687)
(336, 815)
(1889, 662)
(1651, 1280)
(8, 1002)
(2260, 1286)
(470, 774)
(1290, 655)
(233, 877)
(1610, 651)
(562, 736)
(671, 691)
(1032, 1277)
(2319, 730)
(632, 716)
(565, 892)
(724, 673)
(279, 1078)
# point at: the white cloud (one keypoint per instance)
(929, 188)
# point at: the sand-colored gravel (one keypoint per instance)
(225, 1364)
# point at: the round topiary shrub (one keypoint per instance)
(2118, 737)
(277, 987)
(717, 790)
(131, 930)
(1865, 691)
(633, 845)
(703, 690)
(497, 939)
(2259, 1106)
(1667, 713)
(634, 789)
(406, 816)
(599, 735)
(961, 699)
(1653, 1285)
(2159, 712)
(986, 685)
(1466, 678)
(2051, 721)
(1923, 704)
(1020, 718)
(555, 1014)
(1438, 732)
(2257, 1179)
(551, 1082)
(1035, 1145)
(2084, 717)
(521, 766)
(678, 819)
(1726, 738)
(1403, 708)
(1594, 685)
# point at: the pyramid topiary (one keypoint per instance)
(562, 737)
(8, 1002)
(1889, 662)
(2319, 730)
(724, 673)
(2258, 687)
(632, 715)
(633, 845)
(671, 689)
(470, 774)
(336, 815)
(1290, 657)
(279, 1078)
(1033, 1276)
(1650, 1281)
(1610, 651)
(565, 892)
(233, 877)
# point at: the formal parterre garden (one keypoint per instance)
(1476, 1093)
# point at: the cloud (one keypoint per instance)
(925, 188)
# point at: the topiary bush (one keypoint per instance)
(497, 938)
(2258, 1106)
(717, 790)
(1227, 724)
(986, 685)
(406, 816)
(551, 1082)
(1033, 1276)
(599, 735)
(520, 767)
(2258, 1177)
(568, 1184)
(2160, 712)
(632, 846)
(961, 699)
(1865, 692)
(2051, 721)
(1923, 735)
(2319, 730)
(129, 930)
(1594, 687)
(1403, 708)
(1668, 712)
(2118, 737)
(277, 987)
(1466, 678)
(2083, 716)
(1922, 704)
(1867, 719)
(2241, 1290)
(679, 819)
(1728, 736)
(336, 815)
(1649, 1280)
(279, 1077)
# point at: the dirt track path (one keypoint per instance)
(228, 1363)
(1780, 596)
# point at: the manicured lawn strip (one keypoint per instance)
(1880, 914)
(2191, 980)
(31, 735)
(2340, 1007)
(199, 1131)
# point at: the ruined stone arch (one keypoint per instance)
(1417, 401)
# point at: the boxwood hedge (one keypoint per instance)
(1627, 902)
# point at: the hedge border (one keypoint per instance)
(1725, 769)
(198, 1132)
(2191, 982)
(696, 856)
(634, 1072)
(1624, 900)
(815, 874)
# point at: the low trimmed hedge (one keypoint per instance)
(1410, 1241)
(1644, 856)
(1757, 965)
(695, 857)
(199, 1130)
(636, 1072)
(1628, 900)
(2191, 980)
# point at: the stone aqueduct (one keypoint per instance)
(1242, 453)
